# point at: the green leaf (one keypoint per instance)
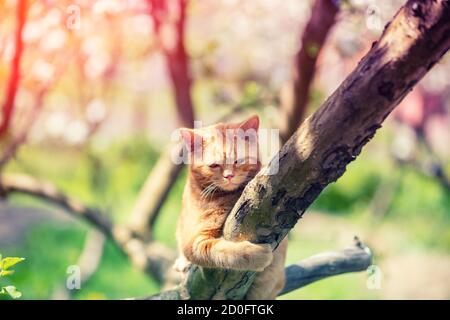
(10, 261)
(12, 291)
(6, 272)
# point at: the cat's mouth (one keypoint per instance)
(230, 186)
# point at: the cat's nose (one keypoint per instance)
(228, 176)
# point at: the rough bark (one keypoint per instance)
(319, 151)
(295, 96)
(14, 77)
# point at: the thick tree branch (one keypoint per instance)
(319, 151)
(295, 96)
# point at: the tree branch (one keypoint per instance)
(355, 258)
(47, 191)
(152, 257)
(319, 151)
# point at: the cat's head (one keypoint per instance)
(223, 156)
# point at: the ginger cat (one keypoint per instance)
(224, 158)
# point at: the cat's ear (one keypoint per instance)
(191, 139)
(250, 123)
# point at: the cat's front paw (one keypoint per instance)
(259, 256)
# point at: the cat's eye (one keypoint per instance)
(214, 165)
(239, 161)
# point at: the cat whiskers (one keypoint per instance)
(209, 191)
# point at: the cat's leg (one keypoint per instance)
(221, 253)
(270, 282)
